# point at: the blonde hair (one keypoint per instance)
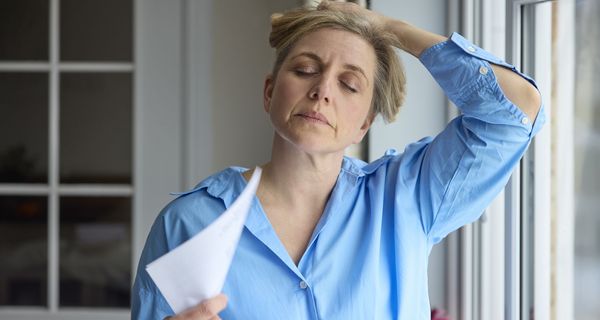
(390, 82)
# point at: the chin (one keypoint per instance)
(312, 143)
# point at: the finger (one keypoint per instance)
(323, 5)
(208, 309)
(336, 5)
(214, 305)
(275, 16)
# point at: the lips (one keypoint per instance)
(314, 116)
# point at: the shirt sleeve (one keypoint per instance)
(175, 224)
(464, 167)
(146, 300)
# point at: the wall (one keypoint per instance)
(229, 59)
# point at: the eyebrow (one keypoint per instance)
(314, 56)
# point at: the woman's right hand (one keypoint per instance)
(207, 310)
(409, 38)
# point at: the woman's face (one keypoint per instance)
(321, 98)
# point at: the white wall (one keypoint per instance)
(157, 109)
(423, 113)
(229, 59)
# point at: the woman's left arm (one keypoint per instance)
(455, 175)
(415, 41)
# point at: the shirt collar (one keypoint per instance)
(225, 185)
(229, 183)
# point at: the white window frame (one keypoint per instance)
(562, 179)
(530, 52)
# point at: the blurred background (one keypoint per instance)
(106, 106)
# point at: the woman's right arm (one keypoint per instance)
(173, 226)
(148, 302)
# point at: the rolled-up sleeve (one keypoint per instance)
(462, 169)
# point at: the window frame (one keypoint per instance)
(528, 273)
(487, 260)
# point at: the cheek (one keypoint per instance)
(357, 113)
(284, 95)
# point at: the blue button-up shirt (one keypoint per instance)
(367, 257)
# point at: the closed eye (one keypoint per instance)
(305, 72)
(349, 87)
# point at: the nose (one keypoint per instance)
(320, 91)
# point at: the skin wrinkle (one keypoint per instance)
(326, 82)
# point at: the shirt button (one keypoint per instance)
(483, 70)
(470, 49)
(303, 284)
(525, 120)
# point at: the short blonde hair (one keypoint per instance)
(389, 83)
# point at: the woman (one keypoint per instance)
(331, 237)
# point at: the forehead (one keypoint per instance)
(333, 45)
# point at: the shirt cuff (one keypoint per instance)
(464, 72)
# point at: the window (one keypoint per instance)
(66, 154)
(537, 236)
(528, 230)
(586, 157)
(506, 262)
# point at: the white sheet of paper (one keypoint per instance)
(196, 269)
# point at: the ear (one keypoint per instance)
(268, 92)
(364, 128)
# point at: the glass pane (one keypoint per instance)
(587, 157)
(96, 30)
(23, 251)
(23, 127)
(95, 128)
(95, 251)
(24, 29)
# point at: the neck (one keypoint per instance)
(294, 177)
